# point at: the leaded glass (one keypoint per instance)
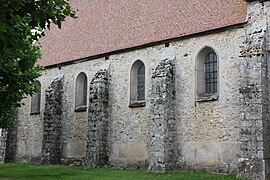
(141, 83)
(211, 73)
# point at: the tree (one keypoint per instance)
(22, 23)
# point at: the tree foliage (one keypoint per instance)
(22, 23)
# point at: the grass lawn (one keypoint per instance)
(19, 171)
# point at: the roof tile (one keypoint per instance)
(108, 25)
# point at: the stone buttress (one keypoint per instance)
(52, 123)
(11, 143)
(254, 96)
(97, 143)
(162, 117)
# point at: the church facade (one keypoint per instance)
(153, 85)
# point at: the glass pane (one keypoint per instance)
(208, 67)
(35, 100)
(85, 92)
(212, 57)
(140, 93)
(208, 88)
(140, 78)
(81, 90)
(211, 73)
(141, 83)
(207, 60)
(215, 57)
(141, 70)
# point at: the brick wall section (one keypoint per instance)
(163, 138)
(97, 143)
(51, 146)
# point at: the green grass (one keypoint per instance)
(26, 171)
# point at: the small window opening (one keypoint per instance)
(35, 100)
(137, 84)
(207, 75)
(167, 44)
(81, 92)
(141, 83)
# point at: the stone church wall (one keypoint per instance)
(74, 124)
(207, 133)
(228, 134)
(254, 95)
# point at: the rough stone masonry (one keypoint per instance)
(97, 143)
(52, 123)
(254, 97)
(163, 137)
(173, 130)
(2, 145)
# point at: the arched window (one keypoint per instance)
(35, 100)
(207, 75)
(137, 84)
(211, 73)
(81, 92)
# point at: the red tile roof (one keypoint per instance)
(104, 26)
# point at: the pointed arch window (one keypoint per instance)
(35, 99)
(137, 84)
(81, 92)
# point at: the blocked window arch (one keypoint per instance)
(207, 71)
(35, 99)
(81, 92)
(137, 84)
